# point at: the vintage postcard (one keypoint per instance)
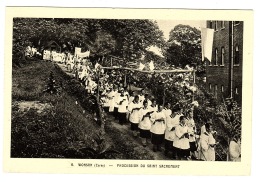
(128, 91)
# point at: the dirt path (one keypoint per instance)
(123, 135)
(136, 141)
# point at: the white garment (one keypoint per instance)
(207, 152)
(180, 141)
(122, 102)
(145, 122)
(154, 108)
(117, 95)
(141, 99)
(133, 109)
(111, 97)
(172, 123)
(191, 129)
(158, 127)
(234, 151)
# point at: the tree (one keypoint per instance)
(183, 46)
(133, 36)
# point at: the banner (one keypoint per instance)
(206, 43)
(77, 51)
(83, 54)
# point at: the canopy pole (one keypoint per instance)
(194, 81)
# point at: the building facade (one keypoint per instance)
(224, 72)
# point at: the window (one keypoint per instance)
(236, 55)
(222, 24)
(236, 90)
(222, 88)
(216, 57)
(216, 91)
(216, 26)
(222, 56)
(210, 24)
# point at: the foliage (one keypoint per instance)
(183, 46)
(124, 38)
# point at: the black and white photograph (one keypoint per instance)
(128, 89)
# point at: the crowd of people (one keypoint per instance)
(169, 128)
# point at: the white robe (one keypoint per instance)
(134, 116)
(180, 141)
(207, 153)
(145, 122)
(158, 127)
(171, 123)
(234, 151)
(191, 129)
(111, 97)
(122, 106)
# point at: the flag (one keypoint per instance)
(141, 66)
(83, 54)
(206, 43)
(77, 51)
(151, 65)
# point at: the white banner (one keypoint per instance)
(83, 54)
(206, 43)
(77, 51)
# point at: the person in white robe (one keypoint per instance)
(153, 106)
(130, 99)
(134, 114)
(146, 99)
(171, 123)
(111, 97)
(234, 149)
(107, 100)
(192, 134)
(141, 96)
(181, 140)
(122, 102)
(117, 95)
(145, 123)
(158, 119)
(207, 144)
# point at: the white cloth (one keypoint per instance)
(180, 141)
(141, 99)
(133, 109)
(234, 151)
(145, 122)
(170, 124)
(158, 127)
(191, 129)
(207, 152)
(151, 66)
(117, 95)
(122, 102)
(154, 108)
(111, 97)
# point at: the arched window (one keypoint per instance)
(216, 26)
(222, 24)
(216, 57)
(236, 55)
(222, 61)
(222, 88)
(210, 24)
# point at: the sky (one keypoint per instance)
(167, 25)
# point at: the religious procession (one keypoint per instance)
(170, 129)
(107, 89)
